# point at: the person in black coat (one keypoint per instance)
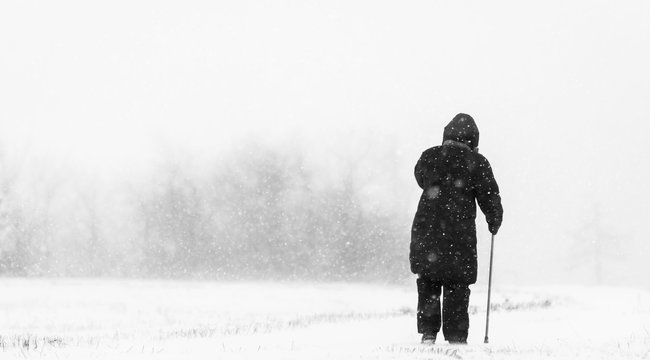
(453, 177)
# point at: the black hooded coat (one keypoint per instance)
(453, 177)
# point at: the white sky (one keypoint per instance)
(559, 89)
(97, 75)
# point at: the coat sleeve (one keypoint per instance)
(487, 194)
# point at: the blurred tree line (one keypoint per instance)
(258, 213)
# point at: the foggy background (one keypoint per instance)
(277, 139)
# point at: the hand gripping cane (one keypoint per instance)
(487, 317)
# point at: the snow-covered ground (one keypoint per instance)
(118, 319)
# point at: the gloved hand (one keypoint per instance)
(493, 228)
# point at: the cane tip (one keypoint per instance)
(486, 340)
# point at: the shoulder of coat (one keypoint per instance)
(476, 160)
(430, 151)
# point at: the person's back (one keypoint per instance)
(453, 176)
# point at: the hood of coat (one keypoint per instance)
(462, 128)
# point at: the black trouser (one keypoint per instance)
(455, 319)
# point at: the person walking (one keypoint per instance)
(453, 177)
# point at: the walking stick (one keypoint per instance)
(487, 317)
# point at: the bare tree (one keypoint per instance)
(596, 247)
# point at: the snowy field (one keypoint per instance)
(116, 319)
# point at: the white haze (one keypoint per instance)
(103, 91)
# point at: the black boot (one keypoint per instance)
(428, 338)
(457, 341)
